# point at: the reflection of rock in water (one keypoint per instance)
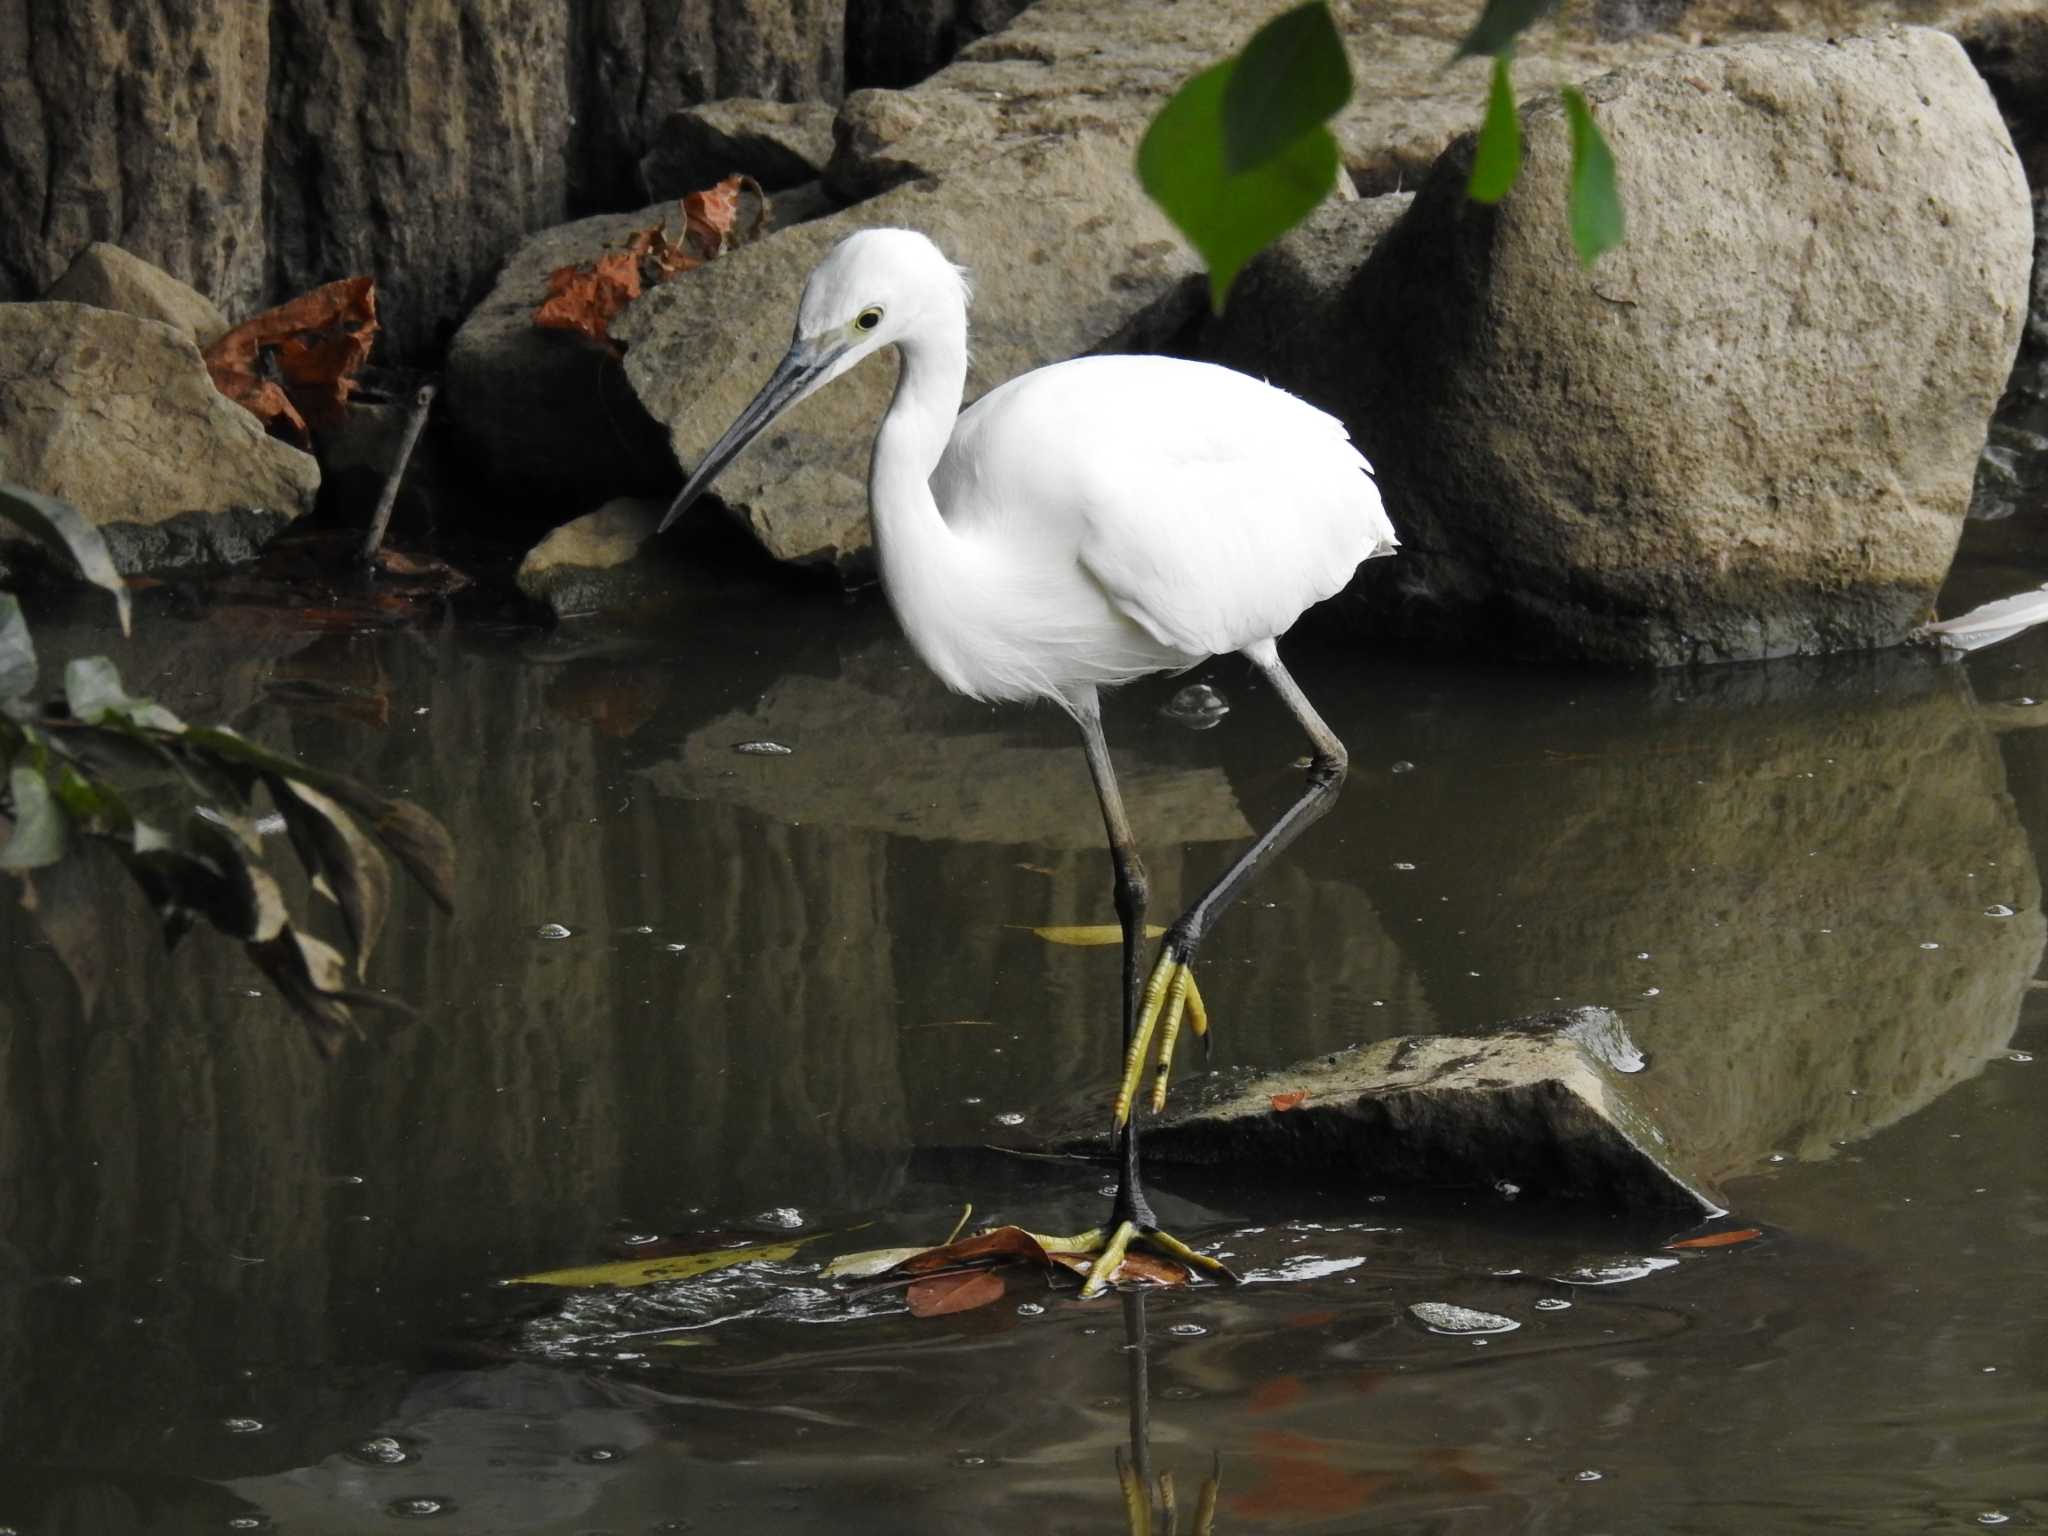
(1782, 843)
(865, 759)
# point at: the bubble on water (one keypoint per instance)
(419, 1507)
(1616, 1272)
(1553, 1304)
(1642, 954)
(247, 1523)
(1403, 865)
(1447, 1317)
(1776, 1157)
(640, 1239)
(242, 1426)
(381, 1451)
(1993, 1517)
(763, 749)
(1506, 1189)
(638, 928)
(1030, 1309)
(2022, 1057)
(1999, 909)
(245, 991)
(1403, 766)
(1009, 1117)
(1653, 991)
(551, 931)
(675, 949)
(1587, 1475)
(968, 1459)
(1197, 706)
(787, 1216)
(1930, 944)
(598, 1455)
(971, 1101)
(1186, 1330)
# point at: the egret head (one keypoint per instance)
(873, 289)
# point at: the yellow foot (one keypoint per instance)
(1170, 995)
(1109, 1255)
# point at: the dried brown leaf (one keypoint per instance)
(586, 299)
(937, 1295)
(295, 365)
(1291, 1100)
(1719, 1239)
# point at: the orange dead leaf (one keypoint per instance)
(1275, 1394)
(295, 365)
(937, 1295)
(586, 298)
(1719, 1239)
(1292, 1100)
(982, 1248)
(1137, 1265)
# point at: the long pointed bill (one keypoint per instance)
(799, 372)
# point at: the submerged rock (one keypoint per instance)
(107, 277)
(1751, 430)
(1540, 1108)
(588, 565)
(117, 416)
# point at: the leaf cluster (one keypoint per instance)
(181, 808)
(1242, 152)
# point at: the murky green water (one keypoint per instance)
(240, 1289)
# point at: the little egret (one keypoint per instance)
(1089, 523)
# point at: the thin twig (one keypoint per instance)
(421, 403)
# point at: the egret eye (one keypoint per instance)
(868, 318)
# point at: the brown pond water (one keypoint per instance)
(243, 1290)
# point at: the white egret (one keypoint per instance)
(1088, 523)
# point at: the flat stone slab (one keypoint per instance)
(1544, 1108)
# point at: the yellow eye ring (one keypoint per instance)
(868, 318)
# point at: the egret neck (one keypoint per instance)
(923, 561)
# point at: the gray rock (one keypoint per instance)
(1751, 430)
(548, 414)
(1547, 1108)
(899, 43)
(780, 144)
(108, 277)
(589, 565)
(116, 415)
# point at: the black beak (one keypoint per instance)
(794, 377)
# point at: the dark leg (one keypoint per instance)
(1171, 986)
(1132, 891)
(1131, 1218)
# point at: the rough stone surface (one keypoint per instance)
(1547, 1105)
(107, 277)
(780, 144)
(898, 44)
(2010, 50)
(117, 416)
(641, 60)
(589, 565)
(1751, 430)
(548, 415)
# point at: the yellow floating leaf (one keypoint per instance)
(690, 1342)
(676, 1266)
(1087, 934)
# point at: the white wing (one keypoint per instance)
(1211, 508)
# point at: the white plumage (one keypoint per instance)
(1088, 523)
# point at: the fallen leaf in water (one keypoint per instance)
(1719, 1239)
(1290, 1100)
(865, 1266)
(690, 1343)
(1278, 1392)
(294, 366)
(680, 1266)
(1137, 1265)
(1294, 1477)
(996, 1248)
(1086, 934)
(962, 1292)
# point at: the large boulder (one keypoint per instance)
(1751, 430)
(780, 144)
(116, 415)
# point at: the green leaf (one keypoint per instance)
(1292, 76)
(677, 1266)
(42, 833)
(1497, 160)
(1501, 23)
(17, 651)
(329, 844)
(1595, 202)
(1228, 218)
(92, 691)
(64, 527)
